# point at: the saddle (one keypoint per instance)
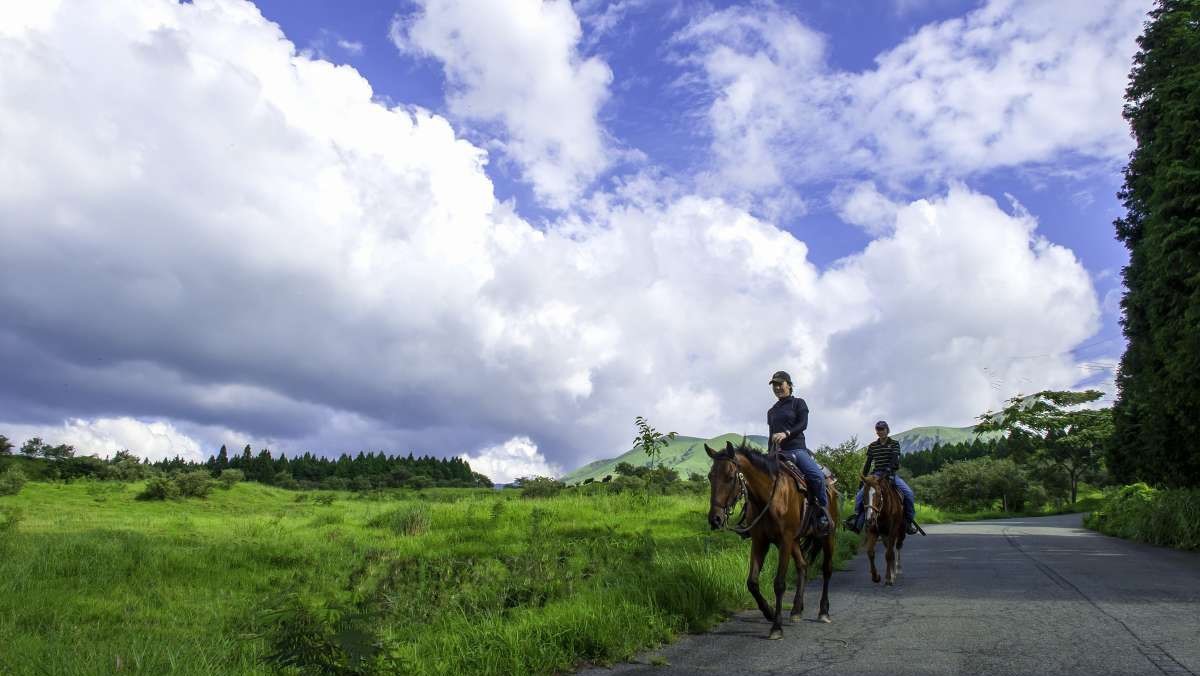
(801, 483)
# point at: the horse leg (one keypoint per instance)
(784, 546)
(826, 573)
(758, 551)
(890, 543)
(801, 578)
(871, 537)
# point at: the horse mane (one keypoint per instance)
(760, 460)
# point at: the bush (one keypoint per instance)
(159, 488)
(12, 481)
(412, 520)
(539, 487)
(194, 484)
(229, 477)
(283, 479)
(1138, 512)
(325, 499)
(974, 485)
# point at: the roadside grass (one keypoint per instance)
(253, 580)
(1170, 518)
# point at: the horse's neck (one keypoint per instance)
(760, 484)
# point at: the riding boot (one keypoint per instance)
(912, 528)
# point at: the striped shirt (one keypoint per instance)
(882, 456)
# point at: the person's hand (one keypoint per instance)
(778, 438)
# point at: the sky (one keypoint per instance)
(501, 229)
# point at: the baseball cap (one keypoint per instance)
(781, 376)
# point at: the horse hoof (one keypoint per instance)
(876, 579)
(888, 583)
(824, 618)
(794, 618)
(776, 634)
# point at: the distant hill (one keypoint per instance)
(686, 454)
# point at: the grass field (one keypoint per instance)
(93, 581)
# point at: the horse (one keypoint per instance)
(771, 493)
(884, 519)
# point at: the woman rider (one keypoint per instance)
(787, 420)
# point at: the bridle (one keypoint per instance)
(743, 492)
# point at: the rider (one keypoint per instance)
(787, 420)
(883, 455)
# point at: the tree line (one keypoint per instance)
(364, 471)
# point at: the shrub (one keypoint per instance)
(302, 637)
(540, 487)
(159, 488)
(229, 477)
(194, 484)
(409, 520)
(325, 499)
(12, 481)
(1139, 512)
(283, 479)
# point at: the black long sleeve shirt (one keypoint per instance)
(790, 416)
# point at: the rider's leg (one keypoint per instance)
(910, 511)
(816, 484)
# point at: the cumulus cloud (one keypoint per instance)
(1011, 83)
(516, 62)
(202, 225)
(863, 205)
(515, 458)
(103, 437)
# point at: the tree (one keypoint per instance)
(33, 447)
(845, 462)
(1065, 437)
(5, 445)
(58, 453)
(1158, 393)
(651, 441)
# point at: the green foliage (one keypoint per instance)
(12, 481)
(973, 485)
(230, 477)
(10, 518)
(931, 460)
(159, 488)
(194, 484)
(1162, 517)
(125, 466)
(5, 445)
(324, 499)
(845, 461)
(319, 639)
(539, 487)
(651, 441)
(33, 448)
(407, 520)
(1066, 439)
(1158, 392)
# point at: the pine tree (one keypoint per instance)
(1155, 415)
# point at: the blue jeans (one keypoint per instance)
(812, 473)
(910, 510)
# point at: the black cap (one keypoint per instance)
(883, 424)
(781, 376)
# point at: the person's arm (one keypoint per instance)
(801, 423)
(866, 465)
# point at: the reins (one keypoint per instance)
(743, 492)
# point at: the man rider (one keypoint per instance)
(787, 420)
(883, 458)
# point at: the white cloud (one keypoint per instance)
(1013, 83)
(862, 204)
(200, 225)
(515, 458)
(516, 62)
(153, 440)
(350, 46)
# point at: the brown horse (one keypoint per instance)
(770, 493)
(884, 510)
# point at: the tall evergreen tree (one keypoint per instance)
(1157, 412)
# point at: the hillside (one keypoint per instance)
(686, 454)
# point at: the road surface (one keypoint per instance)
(1015, 596)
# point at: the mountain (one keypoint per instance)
(686, 454)
(683, 454)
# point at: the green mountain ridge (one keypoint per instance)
(686, 454)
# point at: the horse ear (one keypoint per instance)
(729, 446)
(711, 453)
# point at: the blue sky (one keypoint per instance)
(544, 219)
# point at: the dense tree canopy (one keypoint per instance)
(1157, 413)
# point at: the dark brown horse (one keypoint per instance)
(884, 509)
(777, 513)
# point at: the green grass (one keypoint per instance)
(1170, 518)
(452, 581)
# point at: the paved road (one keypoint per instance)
(1015, 596)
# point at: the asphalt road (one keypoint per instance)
(1016, 596)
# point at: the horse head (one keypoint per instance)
(724, 483)
(872, 498)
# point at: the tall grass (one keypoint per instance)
(1162, 517)
(450, 581)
